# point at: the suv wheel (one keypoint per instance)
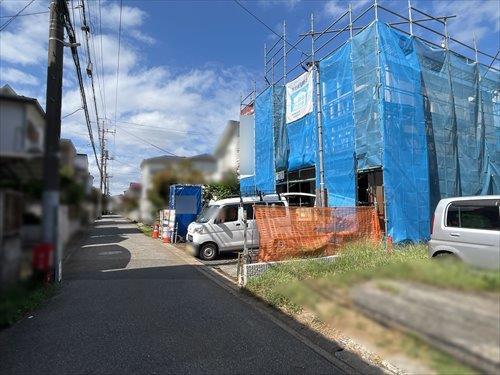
(208, 251)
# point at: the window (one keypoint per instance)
(248, 207)
(453, 218)
(228, 213)
(276, 204)
(482, 214)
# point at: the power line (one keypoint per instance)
(74, 52)
(149, 143)
(161, 128)
(118, 59)
(26, 14)
(102, 63)
(15, 16)
(268, 27)
(72, 113)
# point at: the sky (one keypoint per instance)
(183, 64)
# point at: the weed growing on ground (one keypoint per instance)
(18, 300)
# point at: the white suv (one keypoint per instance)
(219, 227)
(468, 228)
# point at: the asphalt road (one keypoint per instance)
(129, 305)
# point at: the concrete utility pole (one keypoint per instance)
(53, 133)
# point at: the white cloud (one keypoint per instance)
(16, 77)
(132, 17)
(289, 4)
(195, 103)
(336, 8)
(481, 17)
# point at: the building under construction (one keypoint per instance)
(391, 115)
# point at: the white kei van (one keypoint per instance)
(219, 227)
(469, 228)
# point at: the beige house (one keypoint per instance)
(203, 163)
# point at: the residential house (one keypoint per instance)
(82, 175)
(203, 163)
(226, 151)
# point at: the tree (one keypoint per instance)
(228, 187)
(183, 173)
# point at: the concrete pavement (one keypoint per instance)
(131, 305)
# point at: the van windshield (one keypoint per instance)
(207, 213)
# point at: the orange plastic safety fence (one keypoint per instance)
(292, 232)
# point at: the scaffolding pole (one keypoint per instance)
(319, 121)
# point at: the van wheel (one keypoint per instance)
(208, 251)
(447, 256)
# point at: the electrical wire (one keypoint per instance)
(146, 141)
(15, 16)
(27, 14)
(268, 27)
(72, 113)
(160, 128)
(118, 59)
(74, 52)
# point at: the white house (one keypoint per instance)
(22, 125)
(227, 151)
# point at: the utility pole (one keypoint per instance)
(50, 197)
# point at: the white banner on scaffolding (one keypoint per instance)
(299, 97)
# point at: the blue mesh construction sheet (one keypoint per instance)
(490, 111)
(405, 171)
(366, 102)
(247, 185)
(264, 143)
(338, 128)
(302, 142)
(461, 108)
(280, 136)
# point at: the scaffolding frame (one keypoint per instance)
(294, 61)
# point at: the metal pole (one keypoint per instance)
(475, 46)
(375, 7)
(410, 17)
(350, 21)
(265, 62)
(319, 120)
(272, 71)
(50, 198)
(446, 33)
(284, 53)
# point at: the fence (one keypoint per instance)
(291, 232)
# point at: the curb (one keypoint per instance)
(329, 350)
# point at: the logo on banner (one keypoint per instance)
(299, 97)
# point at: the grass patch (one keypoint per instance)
(21, 299)
(146, 229)
(298, 285)
(364, 261)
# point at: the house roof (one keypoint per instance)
(7, 93)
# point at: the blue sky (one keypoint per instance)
(184, 64)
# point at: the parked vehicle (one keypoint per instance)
(468, 228)
(300, 199)
(219, 227)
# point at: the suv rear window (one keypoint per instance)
(474, 214)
